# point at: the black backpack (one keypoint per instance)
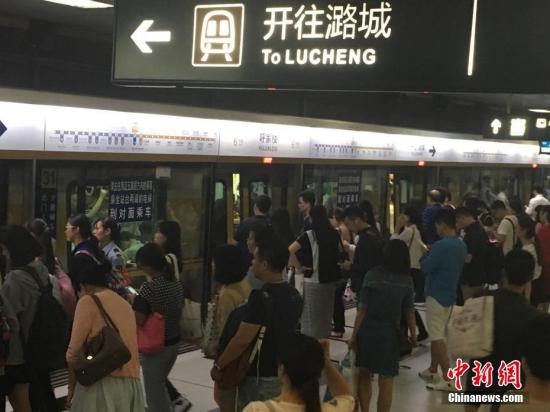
(494, 263)
(46, 344)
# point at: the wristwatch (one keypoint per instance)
(217, 367)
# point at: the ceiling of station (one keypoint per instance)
(99, 20)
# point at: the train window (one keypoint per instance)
(219, 223)
(236, 190)
(323, 181)
(488, 184)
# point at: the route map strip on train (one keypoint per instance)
(49, 128)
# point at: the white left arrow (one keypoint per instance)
(142, 36)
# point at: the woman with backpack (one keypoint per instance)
(39, 229)
(20, 294)
(322, 252)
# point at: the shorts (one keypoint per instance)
(437, 317)
(13, 375)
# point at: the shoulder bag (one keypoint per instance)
(102, 354)
(471, 328)
(234, 373)
(151, 334)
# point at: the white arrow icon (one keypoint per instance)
(142, 36)
(496, 125)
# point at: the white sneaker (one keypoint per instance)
(182, 404)
(442, 385)
(428, 376)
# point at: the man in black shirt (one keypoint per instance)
(306, 200)
(262, 205)
(278, 306)
(512, 317)
(368, 250)
(473, 274)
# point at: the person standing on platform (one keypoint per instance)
(278, 307)
(407, 230)
(262, 206)
(368, 249)
(429, 232)
(473, 274)
(387, 295)
(306, 201)
(107, 233)
(322, 251)
(508, 228)
(443, 266)
(85, 255)
(161, 293)
(538, 199)
(168, 237)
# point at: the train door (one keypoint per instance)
(342, 186)
(406, 186)
(179, 193)
(15, 193)
(238, 185)
(489, 184)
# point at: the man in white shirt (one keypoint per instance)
(538, 199)
(507, 232)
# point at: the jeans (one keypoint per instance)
(253, 389)
(156, 368)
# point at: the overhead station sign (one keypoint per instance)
(385, 45)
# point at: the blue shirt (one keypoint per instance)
(443, 266)
(429, 233)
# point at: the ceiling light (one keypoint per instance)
(84, 4)
(539, 111)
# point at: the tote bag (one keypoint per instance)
(471, 328)
(151, 334)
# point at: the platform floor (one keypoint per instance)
(191, 375)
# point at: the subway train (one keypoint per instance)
(142, 162)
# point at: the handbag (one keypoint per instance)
(102, 354)
(235, 372)
(151, 334)
(471, 328)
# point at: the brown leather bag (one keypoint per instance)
(102, 354)
(234, 373)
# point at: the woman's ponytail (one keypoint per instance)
(309, 393)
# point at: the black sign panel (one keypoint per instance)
(394, 45)
(517, 126)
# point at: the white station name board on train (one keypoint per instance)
(21, 127)
(264, 140)
(86, 130)
(383, 45)
(70, 129)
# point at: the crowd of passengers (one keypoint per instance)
(279, 297)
